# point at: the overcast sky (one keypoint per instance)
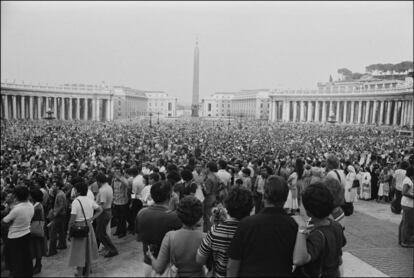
(243, 45)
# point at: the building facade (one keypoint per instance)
(161, 103)
(251, 104)
(218, 105)
(369, 101)
(128, 103)
(71, 102)
(24, 101)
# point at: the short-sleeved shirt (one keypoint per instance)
(264, 243)
(88, 206)
(217, 242)
(105, 195)
(152, 225)
(325, 248)
(20, 216)
(399, 177)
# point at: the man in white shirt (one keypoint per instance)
(224, 176)
(136, 203)
(399, 176)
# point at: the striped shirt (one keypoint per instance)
(217, 243)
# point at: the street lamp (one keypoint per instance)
(158, 121)
(240, 123)
(150, 114)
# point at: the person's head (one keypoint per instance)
(276, 191)
(133, 171)
(332, 162)
(318, 200)
(100, 178)
(239, 182)
(36, 195)
(266, 171)
(190, 210)
(212, 167)
(21, 193)
(404, 165)
(161, 192)
(173, 177)
(198, 166)
(246, 172)
(336, 189)
(153, 178)
(410, 172)
(186, 175)
(222, 164)
(239, 203)
(81, 188)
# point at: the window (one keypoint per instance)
(170, 106)
(209, 107)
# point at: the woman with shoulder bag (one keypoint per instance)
(84, 248)
(37, 233)
(318, 251)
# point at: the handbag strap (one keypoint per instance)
(86, 222)
(323, 252)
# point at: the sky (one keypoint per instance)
(243, 45)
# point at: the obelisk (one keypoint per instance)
(194, 106)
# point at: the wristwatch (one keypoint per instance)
(303, 230)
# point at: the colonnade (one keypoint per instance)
(35, 107)
(396, 112)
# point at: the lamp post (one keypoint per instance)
(158, 121)
(240, 123)
(150, 114)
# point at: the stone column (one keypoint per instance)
(22, 107)
(344, 112)
(402, 113)
(317, 111)
(374, 113)
(323, 111)
(47, 104)
(367, 105)
(55, 107)
(301, 110)
(308, 118)
(94, 109)
(108, 116)
(388, 116)
(85, 114)
(381, 116)
(78, 109)
(295, 110)
(39, 107)
(330, 108)
(288, 111)
(70, 113)
(6, 106)
(359, 112)
(351, 117)
(31, 116)
(14, 102)
(338, 104)
(411, 114)
(62, 108)
(98, 118)
(396, 108)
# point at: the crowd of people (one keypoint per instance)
(203, 197)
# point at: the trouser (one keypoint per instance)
(101, 235)
(57, 232)
(406, 228)
(258, 202)
(21, 264)
(136, 206)
(396, 203)
(207, 215)
(121, 214)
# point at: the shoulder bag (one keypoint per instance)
(37, 228)
(79, 231)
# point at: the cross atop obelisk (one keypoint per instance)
(194, 106)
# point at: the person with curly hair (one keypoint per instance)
(238, 204)
(180, 247)
(319, 248)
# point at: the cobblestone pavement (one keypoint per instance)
(372, 250)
